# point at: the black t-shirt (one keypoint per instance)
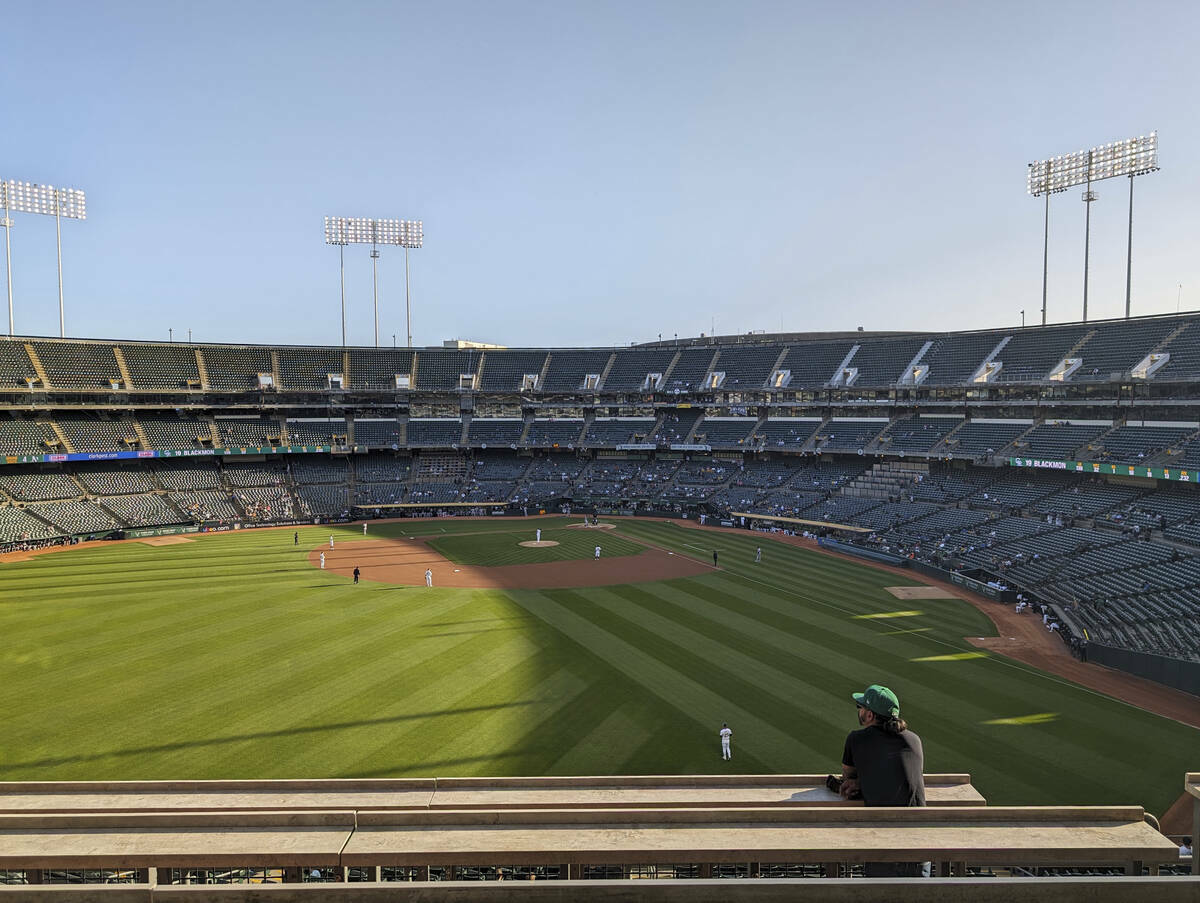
(890, 766)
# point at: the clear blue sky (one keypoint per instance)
(591, 173)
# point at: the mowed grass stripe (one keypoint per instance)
(678, 677)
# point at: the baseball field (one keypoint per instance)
(235, 655)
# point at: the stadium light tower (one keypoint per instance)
(27, 197)
(406, 234)
(1130, 157)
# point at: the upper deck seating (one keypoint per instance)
(814, 364)
(630, 368)
(677, 425)
(747, 366)
(92, 435)
(568, 369)
(978, 437)
(504, 371)
(1057, 440)
(175, 433)
(1134, 444)
(317, 432)
(916, 434)
(689, 370)
(15, 366)
(500, 467)
(953, 359)
(441, 370)
(1116, 348)
(78, 365)
(154, 366)
(617, 431)
(434, 433)
(248, 432)
(234, 369)
(725, 432)
(1184, 349)
(378, 433)
(1034, 351)
(377, 368)
(495, 432)
(788, 433)
(25, 437)
(881, 362)
(309, 368)
(849, 435)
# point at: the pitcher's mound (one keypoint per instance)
(544, 544)
(920, 592)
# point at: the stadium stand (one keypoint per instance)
(495, 432)
(747, 367)
(812, 366)
(555, 432)
(164, 433)
(442, 370)
(16, 370)
(567, 370)
(630, 369)
(234, 369)
(688, 370)
(726, 432)
(434, 433)
(79, 365)
(88, 434)
(310, 368)
(505, 371)
(27, 437)
(161, 366)
(376, 369)
(954, 359)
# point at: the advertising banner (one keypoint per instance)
(1102, 468)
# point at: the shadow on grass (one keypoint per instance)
(259, 735)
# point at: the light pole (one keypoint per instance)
(1022, 319)
(1130, 157)
(407, 234)
(28, 197)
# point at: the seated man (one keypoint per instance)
(884, 762)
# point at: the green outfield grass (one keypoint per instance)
(493, 548)
(231, 656)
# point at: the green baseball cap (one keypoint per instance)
(879, 700)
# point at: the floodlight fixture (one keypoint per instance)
(1130, 157)
(30, 197)
(342, 231)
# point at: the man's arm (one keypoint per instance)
(850, 784)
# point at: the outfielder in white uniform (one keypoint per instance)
(364, 529)
(428, 577)
(726, 736)
(597, 553)
(758, 555)
(322, 561)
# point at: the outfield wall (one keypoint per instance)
(1171, 672)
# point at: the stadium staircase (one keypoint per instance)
(143, 439)
(466, 419)
(416, 366)
(123, 367)
(32, 511)
(946, 443)
(202, 369)
(665, 378)
(529, 418)
(275, 369)
(37, 365)
(545, 369)
(889, 479)
(284, 438)
(61, 436)
(612, 359)
(214, 433)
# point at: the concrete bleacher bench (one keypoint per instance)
(573, 840)
(691, 791)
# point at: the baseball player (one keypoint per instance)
(322, 561)
(331, 541)
(758, 555)
(364, 529)
(539, 535)
(726, 736)
(597, 553)
(428, 577)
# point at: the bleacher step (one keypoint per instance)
(37, 364)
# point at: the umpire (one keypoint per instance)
(885, 764)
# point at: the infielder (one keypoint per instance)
(322, 561)
(428, 577)
(597, 553)
(539, 535)
(726, 736)
(330, 540)
(364, 529)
